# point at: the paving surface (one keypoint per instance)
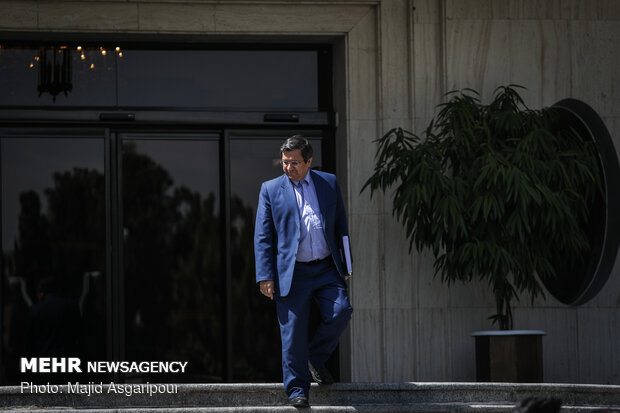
(341, 397)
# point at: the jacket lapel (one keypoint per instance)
(288, 195)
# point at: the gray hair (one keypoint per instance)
(297, 142)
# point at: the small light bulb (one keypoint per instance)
(92, 65)
(36, 58)
(79, 48)
(82, 56)
(118, 49)
(31, 65)
(103, 52)
(120, 54)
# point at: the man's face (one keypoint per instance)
(294, 166)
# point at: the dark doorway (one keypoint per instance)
(136, 193)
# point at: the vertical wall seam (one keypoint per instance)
(443, 42)
(380, 117)
(410, 63)
(444, 47)
(411, 114)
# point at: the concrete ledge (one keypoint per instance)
(388, 397)
(383, 408)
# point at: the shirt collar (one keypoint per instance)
(307, 179)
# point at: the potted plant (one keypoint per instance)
(498, 192)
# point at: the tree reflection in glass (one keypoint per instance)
(172, 258)
(53, 236)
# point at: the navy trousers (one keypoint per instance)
(323, 283)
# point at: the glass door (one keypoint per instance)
(256, 348)
(171, 253)
(53, 284)
(138, 247)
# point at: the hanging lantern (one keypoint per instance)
(55, 73)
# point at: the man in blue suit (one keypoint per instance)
(300, 222)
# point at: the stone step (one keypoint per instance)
(369, 408)
(340, 397)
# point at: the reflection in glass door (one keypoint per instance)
(173, 282)
(53, 250)
(181, 284)
(256, 335)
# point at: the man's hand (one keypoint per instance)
(346, 277)
(266, 288)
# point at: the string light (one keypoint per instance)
(102, 50)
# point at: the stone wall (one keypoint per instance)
(557, 49)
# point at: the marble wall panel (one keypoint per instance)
(590, 9)
(167, 17)
(395, 61)
(609, 296)
(362, 135)
(427, 11)
(599, 341)
(288, 18)
(367, 338)
(478, 55)
(431, 292)
(401, 268)
(363, 73)
(388, 125)
(366, 284)
(401, 341)
(420, 124)
(428, 69)
(464, 322)
(432, 337)
(18, 14)
(470, 294)
(342, 137)
(541, 67)
(71, 15)
(477, 9)
(595, 78)
(536, 9)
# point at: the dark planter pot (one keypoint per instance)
(513, 356)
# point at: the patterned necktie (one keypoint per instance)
(301, 191)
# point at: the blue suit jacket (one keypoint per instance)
(277, 230)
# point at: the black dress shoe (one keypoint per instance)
(321, 375)
(299, 401)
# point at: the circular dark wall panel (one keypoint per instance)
(576, 286)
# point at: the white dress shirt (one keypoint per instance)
(312, 242)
